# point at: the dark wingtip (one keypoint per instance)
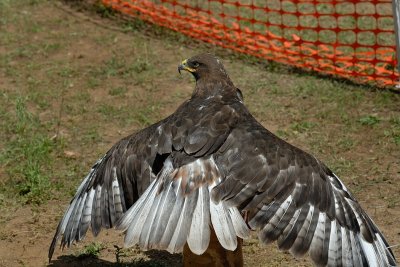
(51, 249)
(54, 241)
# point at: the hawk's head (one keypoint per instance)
(204, 66)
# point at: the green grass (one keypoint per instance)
(26, 154)
(394, 131)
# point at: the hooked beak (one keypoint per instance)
(184, 66)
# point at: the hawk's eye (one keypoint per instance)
(195, 64)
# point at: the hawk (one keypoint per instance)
(204, 177)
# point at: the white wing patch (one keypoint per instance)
(176, 208)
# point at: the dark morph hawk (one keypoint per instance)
(211, 167)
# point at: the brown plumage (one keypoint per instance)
(195, 173)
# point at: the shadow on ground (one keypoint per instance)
(154, 259)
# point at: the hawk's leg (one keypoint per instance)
(214, 256)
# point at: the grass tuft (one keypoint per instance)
(369, 120)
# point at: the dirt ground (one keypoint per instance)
(91, 81)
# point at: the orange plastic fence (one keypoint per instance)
(351, 39)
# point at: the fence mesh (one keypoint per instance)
(351, 39)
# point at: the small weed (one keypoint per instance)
(369, 120)
(92, 250)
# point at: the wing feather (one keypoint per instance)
(199, 234)
(295, 199)
(181, 232)
(223, 226)
(286, 240)
(137, 218)
(96, 211)
(239, 224)
(162, 214)
(86, 214)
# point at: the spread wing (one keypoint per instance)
(113, 184)
(293, 198)
(119, 178)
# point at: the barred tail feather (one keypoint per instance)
(86, 214)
